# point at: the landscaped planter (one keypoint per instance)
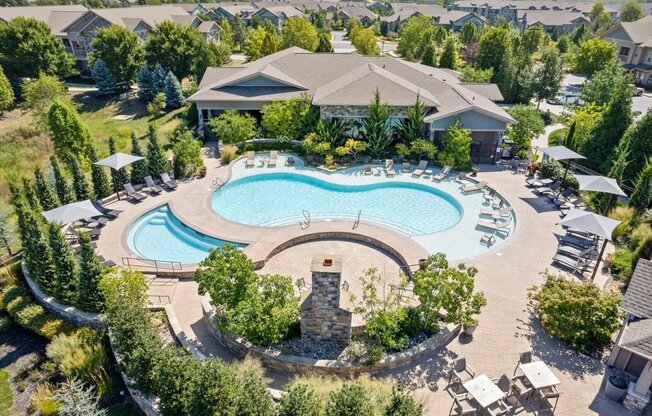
(615, 388)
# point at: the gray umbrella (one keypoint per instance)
(591, 223)
(72, 212)
(117, 161)
(598, 183)
(562, 153)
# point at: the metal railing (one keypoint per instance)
(217, 183)
(357, 221)
(577, 167)
(305, 224)
(157, 265)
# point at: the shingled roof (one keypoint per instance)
(637, 337)
(638, 298)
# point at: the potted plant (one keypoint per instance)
(616, 387)
(469, 326)
(202, 171)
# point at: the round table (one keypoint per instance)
(488, 198)
(93, 224)
(427, 173)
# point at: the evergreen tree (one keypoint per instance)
(102, 77)
(64, 192)
(120, 176)
(145, 84)
(173, 92)
(376, 126)
(549, 76)
(602, 201)
(469, 33)
(89, 295)
(139, 168)
(69, 134)
(158, 80)
(412, 125)
(46, 195)
(429, 55)
(569, 141)
(450, 56)
(639, 138)
(36, 250)
(641, 198)
(65, 266)
(324, 44)
(79, 183)
(30, 196)
(101, 185)
(156, 161)
(6, 92)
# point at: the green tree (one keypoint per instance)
(120, 176)
(61, 186)
(631, 11)
(36, 248)
(376, 127)
(121, 50)
(602, 202)
(298, 31)
(173, 92)
(495, 52)
(254, 43)
(158, 80)
(28, 48)
(101, 185)
(641, 198)
(352, 399)
(212, 54)
(40, 93)
(289, 119)
(299, 400)
(226, 274)
(324, 44)
(602, 85)
(215, 392)
(476, 75)
(174, 46)
(412, 125)
(415, 35)
(69, 134)
(102, 77)
(138, 168)
(456, 147)
(365, 43)
(352, 28)
(563, 44)
(6, 92)
(79, 183)
(239, 31)
(177, 373)
(75, 398)
(596, 10)
(7, 233)
(548, 76)
(187, 157)
(592, 55)
(569, 141)
(450, 55)
(253, 398)
(529, 124)
(89, 295)
(231, 127)
(639, 140)
(31, 197)
(402, 403)
(429, 55)
(452, 289)
(46, 195)
(270, 44)
(157, 163)
(531, 40)
(469, 33)
(65, 267)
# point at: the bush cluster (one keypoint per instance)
(554, 170)
(267, 145)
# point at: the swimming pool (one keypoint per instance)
(159, 235)
(281, 198)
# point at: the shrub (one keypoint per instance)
(402, 403)
(157, 106)
(77, 399)
(42, 400)
(6, 395)
(5, 323)
(626, 216)
(228, 154)
(557, 137)
(352, 399)
(621, 264)
(253, 398)
(187, 157)
(554, 170)
(232, 127)
(579, 314)
(273, 145)
(299, 400)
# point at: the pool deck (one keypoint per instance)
(507, 324)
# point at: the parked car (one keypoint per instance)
(637, 91)
(564, 98)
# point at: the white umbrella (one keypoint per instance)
(72, 212)
(117, 161)
(562, 153)
(599, 184)
(591, 223)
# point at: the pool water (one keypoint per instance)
(159, 235)
(281, 198)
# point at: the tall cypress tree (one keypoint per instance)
(66, 268)
(569, 141)
(46, 195)
(64, 192)
(173, 92)
(101, 185)
(89, 295)
(158, 80)
(120, 176)
(602, 201)
(156, 162)
(139, 168)
(36, 249)
(30, 196)
(79, 183)
(641, 198)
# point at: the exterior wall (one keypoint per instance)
(330, 111)
(472, 120)
(625, 48)
(264, 14)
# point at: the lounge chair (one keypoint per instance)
(420, 169)
(406, 167)
(133, 194)
(273, 156)
(502, 226)
(582, 253)
(577, 241)
(389, 167)
(169, 183)
(572, 262)
(152, 186)
(548, 189)
(566, 193)
(460, 178)
(111, 213)
(490, 212)
(105, 262)
(442, 173)
(366, 170)
(251, 159)
(461, 371)
(579, 233)
(575, 203)
(100, 220)
(73, 234)
(538, 183)
(289, 161)
(472, 187)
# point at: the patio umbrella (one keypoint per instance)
(562, 153)
(72, 212)
(598, 183)
(118, 161)
(591, 223)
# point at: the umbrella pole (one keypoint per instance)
(563, 179)
(597, 262)
(115, 186)
(608, 207)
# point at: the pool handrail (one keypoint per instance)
(127, 261)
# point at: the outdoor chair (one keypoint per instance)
(251, 159)
(562, 196)
(546, 394)
(133, 194)
(491, 212)
(442, 174)
(495, 226)
(406, 167)
(537, 183)
(273, 156)
(506, 385)
(389, 167)
(111, 213)
(149, 182)
(587, 253)
(548, 189)
(366, 170)
(578, 264)
(576, 241)
(423, 164)
(524, 358)
(100, 220)
(472, 187)
(464, 406)
(580, 233)
(169, 183)
(460, 178)
(289, 161)
(575, 203)
(461, 371)
(521, 386)
(498, 408)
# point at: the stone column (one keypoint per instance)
(638, 395)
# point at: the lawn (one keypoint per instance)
(24, 147)
(6, 395)
(557, 137)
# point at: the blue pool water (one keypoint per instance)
(159, 235)
(280, 198)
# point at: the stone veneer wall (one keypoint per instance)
(328, 111)
(301, 365)
(635, 402)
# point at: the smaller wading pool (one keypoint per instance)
(159, 235)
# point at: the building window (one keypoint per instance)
(624, 50)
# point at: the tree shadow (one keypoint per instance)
(540, 205)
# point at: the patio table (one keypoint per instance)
(483, 390)
(539, 375)
(427, 173)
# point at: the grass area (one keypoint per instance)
(25, 147)
(6, 395)
(557, 137)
